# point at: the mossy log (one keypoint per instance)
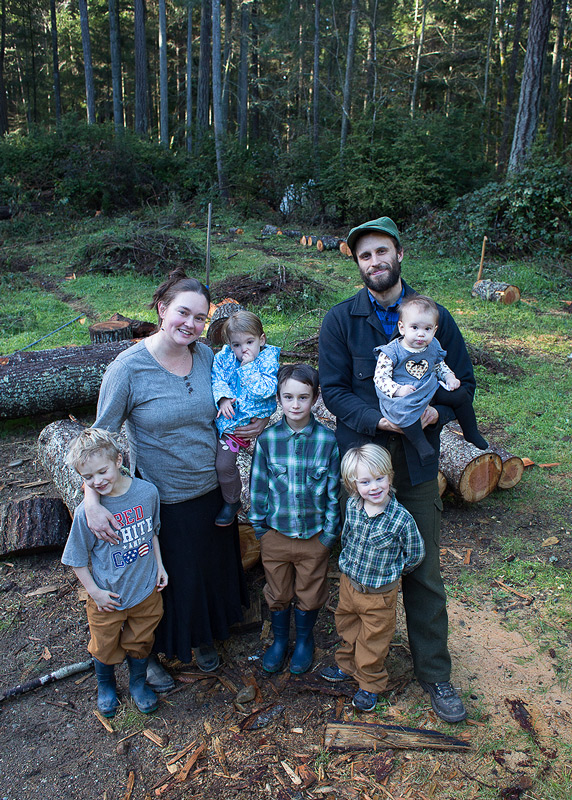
(471, 473)
(54, 380)
(496, 291)
(33, 524)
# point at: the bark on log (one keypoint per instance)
(328, 243)
(140, 327)
(369, 736)
(495, 290)
(219, 317)
(470, 472)
(291, 234)
(113, 330)
(53, 444)
(33, 524)
(512, 468)
(269, 230)
(53, 380)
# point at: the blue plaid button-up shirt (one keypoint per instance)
(377, 550)
(387, 316)
(294, 482)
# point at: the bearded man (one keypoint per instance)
(350, 332)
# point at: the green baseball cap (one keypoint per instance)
(380, 225)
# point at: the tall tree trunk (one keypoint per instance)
(163, 77)
(242, 89)
(189, 82)
(531, 86)
(203, 83)
(346, 104)
(316, 92)
(87, 64)
(255, 72)
(418, 60)
(227, 59)
(55, 61)
(555, 77)
(3, 99)
(488, 58)
(511, 83)
(217, 99)
(115, 52)
(141, 81)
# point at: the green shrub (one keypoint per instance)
(529, 212)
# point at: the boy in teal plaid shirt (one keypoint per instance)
(294, 492)
(380, 541)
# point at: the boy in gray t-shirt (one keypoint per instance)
(124, 605)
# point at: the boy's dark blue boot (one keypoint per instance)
(107, 701)
(304, 649)
(274, 657)
(145, 698)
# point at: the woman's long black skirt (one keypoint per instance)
(207, 588)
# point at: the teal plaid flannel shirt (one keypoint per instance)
(294, 482)
(377, 550)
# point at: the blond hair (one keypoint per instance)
(375, 458)
(242, 322)
(88, 443)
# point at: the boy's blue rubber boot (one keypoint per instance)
(304, 648)
(274, 657)
(107, 701)
(145, 698)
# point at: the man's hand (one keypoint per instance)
(429, 417)
(253, 429)
(453, 383)
(385, 425)
(226, 408)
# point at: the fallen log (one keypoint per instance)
(442, 481)
(328, 243)
(53, 380)
(53, 443)
(370, 736)
(33, 524)
(345, 250)
(496, 291)
(471, 473)
(512, 468)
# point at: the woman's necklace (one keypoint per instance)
(181, 365)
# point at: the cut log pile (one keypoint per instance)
(321, 241)
(472, 473)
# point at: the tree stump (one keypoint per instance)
(53, 443)
(222, 312)
(54, 380)
(471, 473)
(496, 291)
(113, 330)
(33, 524)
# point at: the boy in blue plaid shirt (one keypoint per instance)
(380, 541)
(294, 495)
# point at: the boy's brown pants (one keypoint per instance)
(366, 623)
(294, 567)
(115, 634)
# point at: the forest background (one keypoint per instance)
(360, 107)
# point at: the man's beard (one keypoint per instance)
(381, 283)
